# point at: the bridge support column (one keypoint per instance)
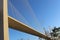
(3, 20)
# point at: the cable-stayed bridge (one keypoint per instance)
(13, 23)
(9, 22)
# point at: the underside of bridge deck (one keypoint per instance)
(13, 23)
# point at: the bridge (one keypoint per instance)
(9, 22)
(15, 24)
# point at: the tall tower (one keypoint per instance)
(3, 20)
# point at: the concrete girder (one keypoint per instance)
(13, 23)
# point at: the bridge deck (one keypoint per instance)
(13, 23)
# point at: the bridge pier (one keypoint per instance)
(3, 20)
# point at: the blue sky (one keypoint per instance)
(38, 14)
